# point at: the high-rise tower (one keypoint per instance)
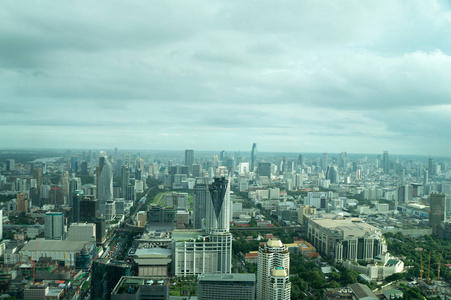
(201, 196)
(218, 206)
(189, 159)
(273, 270)
(385, 162)
(324, 162)
(437, 211)
(105, 186)
(253, 157)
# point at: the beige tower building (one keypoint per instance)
(273, 270)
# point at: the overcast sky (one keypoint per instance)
(291, 76)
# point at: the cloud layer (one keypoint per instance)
(295, 76)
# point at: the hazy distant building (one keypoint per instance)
(264, 169)
(385, 162)
(105, 181)
(324, 162)
(10, 165)
(253, 157)
(189, 158)
(437, 211)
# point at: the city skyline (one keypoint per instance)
(307, 76)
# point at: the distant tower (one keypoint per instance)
(324, 162)
(437, 211)
(425, 178)
(189, 159)
(125, 174)
(10, 164)
(105, 186)
(253, 157)
(273, 270)
(218, 206)
(385, 162)
(301, 161)
(431, 166)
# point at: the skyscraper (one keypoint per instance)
(105, 182)
(437, 211)
(273, 270)
(385, 162)
(189, 159)
(218, 206)
(431, 166)
(125, 175)
(253, 157)
(201, 196)
(324, 162)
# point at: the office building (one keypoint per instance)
(105, 181)
(273, 255)
(105, 275)
(226, 286)
(196, 252)
(22, 202)
(385, 162)
(201, 196)
(437, 211)
(346, 239)
(54, 226)
(324, 162)
(253, 157)
(77, 196)
(264, 169)
(125, 180)
(189, 158)
(89, 208)
(10, 165)
(138, 287)
(82, 232)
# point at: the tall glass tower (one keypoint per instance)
(253, 157)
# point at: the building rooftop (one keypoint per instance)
(274, 243)
(227, 277)
(131, 284)
(279, 272)
(55, 245)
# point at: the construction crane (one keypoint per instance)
(34, 261)
(438, 272)
(421, 270)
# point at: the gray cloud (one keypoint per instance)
(296, 76)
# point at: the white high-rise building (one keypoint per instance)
(105, 182)
(210, 250)
(273, 270)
